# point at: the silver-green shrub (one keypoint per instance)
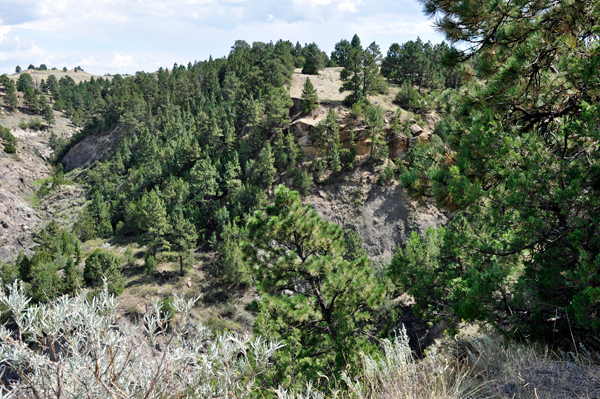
(74, 348)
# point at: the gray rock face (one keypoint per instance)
(382, 216)
(91, 149)
(19, 220)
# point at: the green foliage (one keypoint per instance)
(10, 149)
(231, 264)
(34, 124)
(309, 97)
(302, 181)
(94, 219)
(314, 59)
(49, 115)
(9, 272)
(24, 83)
(408, 98)
(323, 314)
(419, 63)
(387, 174)
(56, 249)
(10, 97)
(150, 265)
(356, 111)
(348, 155)
(524, 254)
(360, 75)
(102, 265)
(418, 269)
(72, 277)
(182, 236)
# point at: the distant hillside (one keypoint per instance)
(39, 75)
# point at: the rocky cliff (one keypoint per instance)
(303, 127)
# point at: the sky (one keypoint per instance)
(125, 36)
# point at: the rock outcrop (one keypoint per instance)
(381, 215)
(303, 128)
(92, 148)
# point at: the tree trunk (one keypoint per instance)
(181, 264)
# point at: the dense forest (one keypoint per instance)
(514, 161)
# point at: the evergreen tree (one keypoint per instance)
(280, 153)
(153, 219)
(183, 235)
(314, 59)
(325, 317)
(353, 73)
(232, 265)
(18, 69)
(24, 82)
(101, 264)
(31, 99)
(340, 53)
(309, 97)
(72, 278)
(49, 115)
(524, 254)
(10, 98)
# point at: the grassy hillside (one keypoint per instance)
(37, 76)
(327, 83)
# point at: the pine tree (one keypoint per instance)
(352, 74)
(371, 76)
(153, 215)
(101, 264)
(314, 59)
(328, 307)
(10, 98)
(49, 115)
(309, 97)
(72, 277)
(31, 99)
(523, 255)
(281, 156)
(182, 236)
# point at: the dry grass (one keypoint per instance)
(473, 366)
(39, 75)
(530, 372)
(327, 83)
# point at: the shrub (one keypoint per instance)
(408, 97)
(98, 359)
(150, 265)
(10, 149)
(36, 124)
(387, 174)
(302, 181)
(356, 111)
(102, 265)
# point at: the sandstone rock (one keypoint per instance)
(416, 129)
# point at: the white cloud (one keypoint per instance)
(394, 24)
(163, 32)
(122, 61)
(14, 48)
(347, 7)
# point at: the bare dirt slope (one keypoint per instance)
(383, 216)
(21, 212)
(92, 148)
(327, 83)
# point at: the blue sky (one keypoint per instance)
(109, 36)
